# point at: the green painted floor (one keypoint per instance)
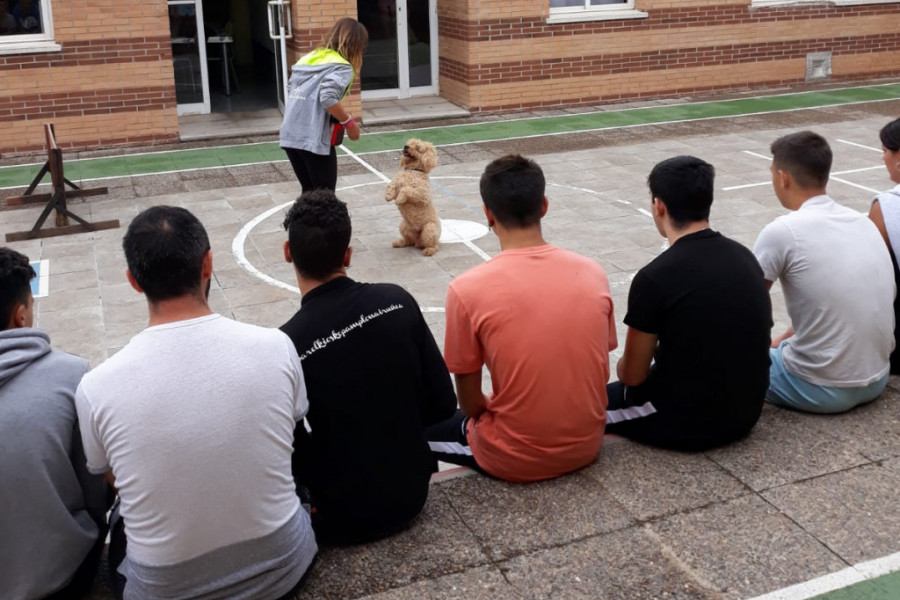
(225, 156)
(886, 587)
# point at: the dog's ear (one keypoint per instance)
(429, 156)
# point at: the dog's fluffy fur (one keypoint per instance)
(411, 191)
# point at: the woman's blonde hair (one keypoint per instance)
(348, 37)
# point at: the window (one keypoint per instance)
(26, 26)
(576, 5)
(569, 11)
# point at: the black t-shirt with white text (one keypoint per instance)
(375, 379)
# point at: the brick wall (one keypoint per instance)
(503, 55)
(112, 82)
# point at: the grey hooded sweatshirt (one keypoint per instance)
(50, 506)
(312, 89)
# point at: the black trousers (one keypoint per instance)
(642, 414)
(314, 171)
(449, 442)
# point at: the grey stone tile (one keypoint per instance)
(855, 512)
(72, 264)
(437, 544)
(510, 519)
(744, 547)
(482, 583)
(229, 278)
(254, 294)
(72, 281)
(669, 482)
(624, 565)
(873, 429)
(68, 299)
(784, 447)
(272, 314)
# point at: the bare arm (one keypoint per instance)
(338, 112)
(634, 366)
(790, 330)
(878, 218)
(472, 401)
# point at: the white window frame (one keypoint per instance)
(588, 12)
(34, 42)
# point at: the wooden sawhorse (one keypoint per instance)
(56, 200)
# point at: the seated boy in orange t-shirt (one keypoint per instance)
(541, 319)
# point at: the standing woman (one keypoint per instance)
(885, 213)
(314, 119)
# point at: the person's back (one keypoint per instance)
(541, 319)
(371, 393)
(695, 368)
(837, 278)
(52, 511)
(375, 378)
(195, 419)
(836, 283)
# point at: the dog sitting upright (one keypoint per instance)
(411, 191)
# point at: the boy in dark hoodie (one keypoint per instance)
(52, 511)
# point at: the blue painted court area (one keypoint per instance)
(40, 285)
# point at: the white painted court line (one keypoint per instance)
(520, 137)
(836, 581)
(453, 227)
(356, 157)
(832, 177)
(863, 146)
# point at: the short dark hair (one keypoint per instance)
(806, 156)
(16, 274)
(318, 226)
(890, 135)
(164, 248)
(685, 185)
(512, 187)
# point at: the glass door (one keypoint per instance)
(280, 31)
(189, 56)
(401, 58)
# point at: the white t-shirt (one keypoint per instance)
(838, 284)
(196, 420)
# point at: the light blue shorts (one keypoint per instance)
(787, 389)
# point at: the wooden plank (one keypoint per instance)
(35, 198)
(19, 236)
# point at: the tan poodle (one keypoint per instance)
(411, 191)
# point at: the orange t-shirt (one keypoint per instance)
(541, 319)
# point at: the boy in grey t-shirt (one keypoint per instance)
(838, 283)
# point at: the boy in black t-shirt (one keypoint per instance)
(695, 368)
(375, 379)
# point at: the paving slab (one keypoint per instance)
(509, 519)
(787, 446)
(438, 544)
(855, 513)
(745, 547)
(669, 482)
(629, 564)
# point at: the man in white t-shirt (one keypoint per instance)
(193, 422)
(838, 283)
